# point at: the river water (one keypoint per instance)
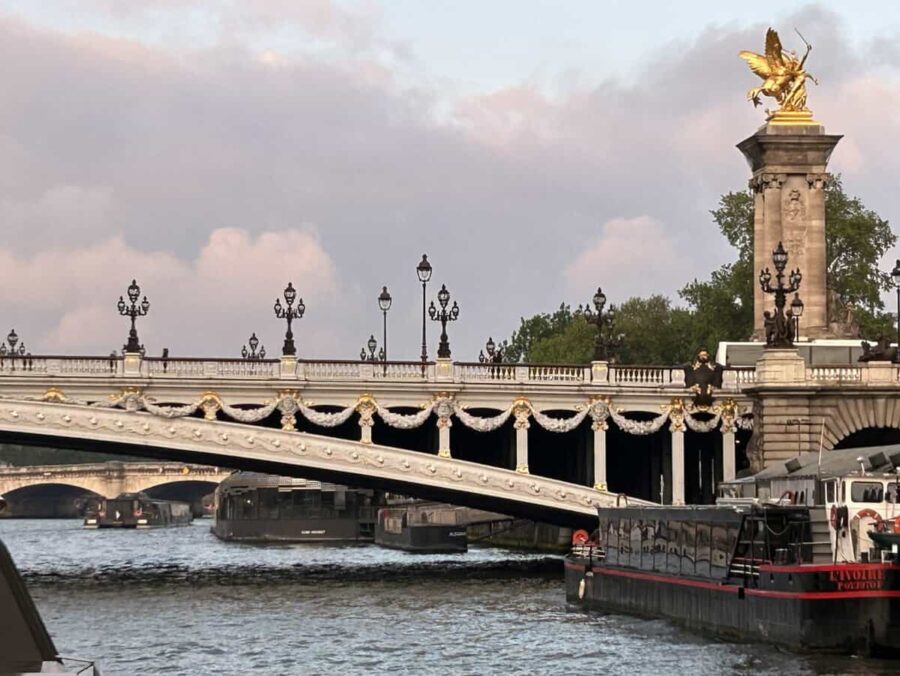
(178, 601)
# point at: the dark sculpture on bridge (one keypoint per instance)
(780, 326)
(880, 351)
(703, 378)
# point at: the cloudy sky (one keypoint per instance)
(217, 149)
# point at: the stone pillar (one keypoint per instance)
(366, 410)
(678, 466)
(132, 364)
(789, 162)
(728, 458)
(444, 425)
(600, 427)
(521, 410)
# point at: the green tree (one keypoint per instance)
(856, 239)
(654, 332)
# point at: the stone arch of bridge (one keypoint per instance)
(145, 482)
(13, 487)
(294, 453)
(848, 418)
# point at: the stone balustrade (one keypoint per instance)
(610, 375)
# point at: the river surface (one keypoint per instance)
(178, 601)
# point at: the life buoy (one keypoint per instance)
(580, 537)
(870, 513)
(790, 497)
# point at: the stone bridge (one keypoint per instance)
(538, 441)
(109, 479)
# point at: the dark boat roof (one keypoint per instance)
(842, 462)
(250, 480)
(728, 513)
(24, 642)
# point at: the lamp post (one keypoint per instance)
(779, 332)
(384, 302)
(494, 356)
(372, 344)
(133, 310)
(252, 354)
(12, 339)
(443, 316)
(423, 272)
(796, 312)
(895, 274)
(289, 313)
(603, 345)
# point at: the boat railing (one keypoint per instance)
(590, 551)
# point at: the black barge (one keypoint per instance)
(263, 508)
(422, 528)
(136, 510)
(815, 569)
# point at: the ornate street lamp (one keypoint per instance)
(443, 316)
(133, 310)
(779, 329)
(11, 351)
(494, 356)
(605, 341)
(895, 275)
(372, 344)
(423, 271)
(796, 312)
(252, 354)
(384, 302)
(289, 313)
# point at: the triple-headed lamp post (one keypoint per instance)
(372, 344)
(252, 354)
(779, 328)
(443, 316)
(290, 313)
(603, 344)
(133, 311)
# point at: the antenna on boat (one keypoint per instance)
(862, 464)
(821, 446)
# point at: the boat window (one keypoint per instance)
(893, 493)
(829, 491)
(866, 491)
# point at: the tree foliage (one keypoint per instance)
(721, 308)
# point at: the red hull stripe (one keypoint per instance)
(731, 588)
(826, 567)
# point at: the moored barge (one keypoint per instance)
(422, 528)
(816, 569)
(263, 508)
(136, 510)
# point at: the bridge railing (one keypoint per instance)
(611, 375)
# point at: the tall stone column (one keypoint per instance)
(599, 427)
(789, 164)
(678, 466)
(522, 411)
(444, 425)
(728, 459)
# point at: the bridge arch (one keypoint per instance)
(10, 487)
(47, 500)
(294, 453)
(852, 422)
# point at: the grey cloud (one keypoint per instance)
(504, 196)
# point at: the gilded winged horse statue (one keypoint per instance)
(784, 78)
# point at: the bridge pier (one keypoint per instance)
(728, 454)
(677, 465)
(521, 426)
(599, 427)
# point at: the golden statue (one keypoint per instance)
(784, 78)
